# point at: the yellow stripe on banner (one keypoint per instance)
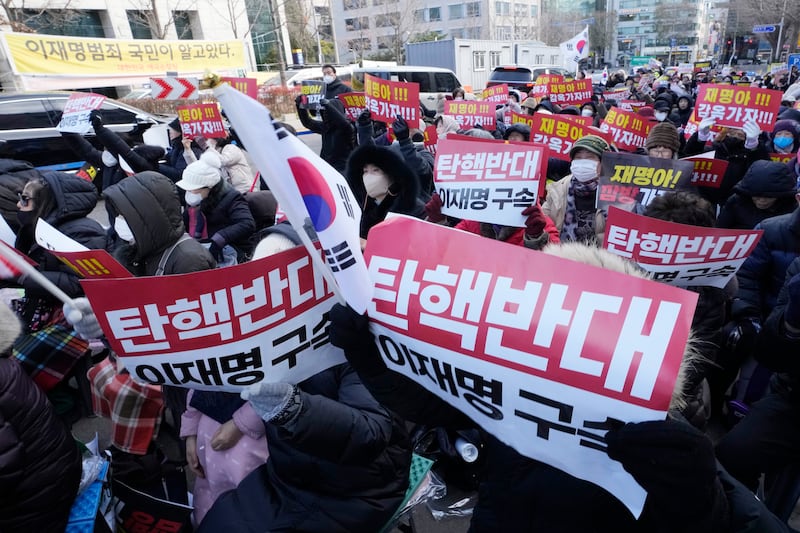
(75, 56)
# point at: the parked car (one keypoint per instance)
(28, 127)
(432, 81)
(523, 78)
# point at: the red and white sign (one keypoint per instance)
(574, 92)
(626, 179)
(733, 105)
(557, 132)
(631, 105)
(497, 94)
(471, 113)
(201, 120)
(264, 320)
(92, 264)
(387, 99)
(248, 86)
(629, 130)
(679, 254)
(354, 104)
(708, 172)
(431, 138)
(174, 88)
(540, 351)
(519, 118)
(75, 117)
(488, 181)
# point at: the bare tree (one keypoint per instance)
(768, 12)
(603, 32)
(25, 19)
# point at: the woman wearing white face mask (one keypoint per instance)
(382, 182)
(571, 201)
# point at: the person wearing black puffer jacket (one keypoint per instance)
(338, 134)
(14, 174)
(766, 190)
(40, 465)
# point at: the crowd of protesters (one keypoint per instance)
(332, 453)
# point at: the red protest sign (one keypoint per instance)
(629, 130)
(733, 105)
(92, 264)
(545, 79)
(629, 178)
(496, 93)
(583, 121)
(781, 158)
(519, 118)
(248, 86)
(488, 181)
(558, 133)
(708, 172)
(431, 138)
(471, 113)
(201, 120)
(571, 92)
(386, 99)
(679, 254)
(354, 104)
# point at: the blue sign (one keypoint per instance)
(763, 29)
(672, 42)
(793, 60)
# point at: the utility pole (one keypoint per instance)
(276, 27)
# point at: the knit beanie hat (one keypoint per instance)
(176, 125)
(592, 143)
(663, 134)
(786, 124)
(202, 173)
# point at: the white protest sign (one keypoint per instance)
(544, 353)
(51, 239)
(75, 117)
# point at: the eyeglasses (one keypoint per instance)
(660, 152)
(24, 199)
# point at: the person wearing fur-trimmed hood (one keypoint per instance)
(382, 183)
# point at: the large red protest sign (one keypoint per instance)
(496, 94)
(523, 342)
(519, 118)
(631, 105)
(262, 320)
(626, 179)
(679, 254)
(488, 181)
(733, 105)
(471, 113)
(201, 120)
(708, 172)
(629, 130)
(571, 92)
(387, 99)
(354, 104)
(430, 138)
(781, 158)
(248, 86)
(557, 132)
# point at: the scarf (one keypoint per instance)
(580, 212)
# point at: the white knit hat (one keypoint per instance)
(202, 173)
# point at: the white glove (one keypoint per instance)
(751, 132)
(82, 319)
(704, 129)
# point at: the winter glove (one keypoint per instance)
(675, 464)
(739, 336)
(791, 314)
(751, 132)
(216, 251)
(350, 332)
(433, 209)
(536, 221)
(96, 119)
(82, 319)
(400, 128)
(323, 102)
(365, 118)
(704, 128)
(276, 403)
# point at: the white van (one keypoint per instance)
(295, 77)
(433, 81)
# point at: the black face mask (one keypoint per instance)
(733, 144)
(25, 218)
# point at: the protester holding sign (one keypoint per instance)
(571, 202)
(766, 190)
(382, 182)
(48, 348)
(177, 157)
(335, 129)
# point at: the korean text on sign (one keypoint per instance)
(540, 351)
(629, 130)
(488, 181)
(353, 103)
(628, 178)
(263, 320)
(387, 99)
(679, 254)
(732, 105)
(201, 120)
(708, 172)
(496, 93)
(558, 133)
(471, 113)
(571, 92)
(75, 117)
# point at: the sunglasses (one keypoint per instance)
(24, 199)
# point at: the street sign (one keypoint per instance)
(174, 88)
(672, 42)
(792, 60)
(764, 28)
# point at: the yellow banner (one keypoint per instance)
(78, 56)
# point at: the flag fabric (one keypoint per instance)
(575, 49)
(309, 191)
(8, 269)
